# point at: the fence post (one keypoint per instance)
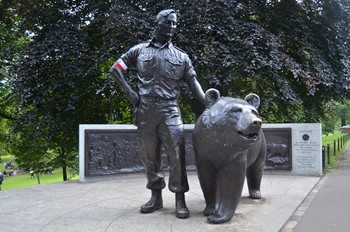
(334, 148)
(323, 158)
(341, 141)
(338, 145)
(328, 153)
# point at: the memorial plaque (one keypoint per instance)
(115, 151)
(111, 152)
(278, 149)
(306, 145)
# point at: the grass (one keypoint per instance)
(25, 179)
(329, 139)
(22, 180)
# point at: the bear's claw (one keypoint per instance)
(217, 219)
(209, 210)
(255, 194)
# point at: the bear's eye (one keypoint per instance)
(236, 110)
(255, 113)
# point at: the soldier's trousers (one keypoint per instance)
(160, 123)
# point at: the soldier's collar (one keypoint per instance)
(152, 43)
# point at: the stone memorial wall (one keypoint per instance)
(108, 150)
(306, 141)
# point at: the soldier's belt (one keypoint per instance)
(156, 99)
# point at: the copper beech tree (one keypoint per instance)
(293, 54)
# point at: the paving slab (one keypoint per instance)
(114, 205)
(327, 206)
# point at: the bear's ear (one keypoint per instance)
(211, 96)
(253, 100)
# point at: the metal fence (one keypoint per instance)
(332, 149)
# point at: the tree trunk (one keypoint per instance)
(38, 177)
(63, 163)
(343, 121)
(64, 169)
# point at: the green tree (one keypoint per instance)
(310, 32)
(331, 119)
(55, 86)
(12, 42)
(343, 113)
(289, 52)
(32, 154)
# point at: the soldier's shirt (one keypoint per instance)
(161, 70)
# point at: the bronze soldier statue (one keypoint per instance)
(161, 69)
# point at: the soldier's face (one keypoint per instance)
(167, 25)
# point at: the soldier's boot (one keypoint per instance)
(181, 208)
(155, 203)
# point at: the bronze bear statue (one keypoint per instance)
(229, 145)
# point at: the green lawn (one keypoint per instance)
(25, 179)
(330, 138)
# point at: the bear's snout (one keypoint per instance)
(256, 122)
(250, 128)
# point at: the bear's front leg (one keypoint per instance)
(206, 175)
(230, 184)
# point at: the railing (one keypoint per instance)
(333, 149)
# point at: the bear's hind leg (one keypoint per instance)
(255, 171)
(254, 175)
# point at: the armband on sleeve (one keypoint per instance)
(121, 65)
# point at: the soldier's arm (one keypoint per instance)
(117, 73)
(196, 88)
(192, 82)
